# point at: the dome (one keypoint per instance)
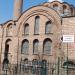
(62, 8)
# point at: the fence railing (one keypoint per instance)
(37, 68)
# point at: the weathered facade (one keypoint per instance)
(36, 36)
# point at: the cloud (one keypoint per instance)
(55, 0)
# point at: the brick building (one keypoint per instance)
(35, 36)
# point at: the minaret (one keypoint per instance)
(17, 9)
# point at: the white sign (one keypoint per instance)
(68, 38)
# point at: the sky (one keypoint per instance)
(7, 6)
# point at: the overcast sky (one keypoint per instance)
(6, 7)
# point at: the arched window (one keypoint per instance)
(6, 56)
(9, 30)
(55, 6)
(48, 27)
(7, 48)
(65, 10)
(25, 47)
(47, 46)
(35, 46)
(26, 29)
(36, 26)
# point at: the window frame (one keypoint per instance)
(36, 31)
(23, 51)
(34, 42)
(46, 24)
(45, 51)
(26, 26)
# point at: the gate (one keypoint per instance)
(30, 68)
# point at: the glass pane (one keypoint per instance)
(36, 28)
(35, 47)
(47, 47)
(25, 47)
(26, 31)
(48, 27)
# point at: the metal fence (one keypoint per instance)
(37, 68)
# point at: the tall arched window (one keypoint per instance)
(35, 46)
(47, 46)
(7, 48)
(26, 29)
(36, 26)
(6, 56)
(48, 27)
(25, 47)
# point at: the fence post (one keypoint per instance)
(58, 66)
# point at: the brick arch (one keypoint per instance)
(25, 40)
(41, 10)
(7, 26)
(8, 40)
(65, 6)
(60, 5)
(55, 2)
(8, 23)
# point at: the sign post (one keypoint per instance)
(68, 39)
